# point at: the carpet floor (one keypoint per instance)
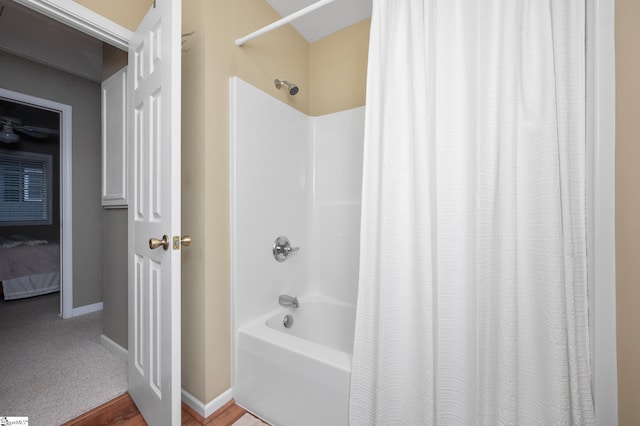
(51, 369)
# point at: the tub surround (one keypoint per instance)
(296, 176)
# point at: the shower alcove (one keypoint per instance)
(296, 176)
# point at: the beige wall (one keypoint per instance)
(194, 117)
(628, 208)
(211, 60)
(332, 79)
(127, 13)
(207, 66)
(338, 69)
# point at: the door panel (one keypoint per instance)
(154, 212)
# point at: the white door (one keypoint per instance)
(154, 211)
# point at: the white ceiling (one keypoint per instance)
(326, 20)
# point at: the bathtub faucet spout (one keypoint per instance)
(288, 301)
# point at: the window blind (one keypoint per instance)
(25, 188)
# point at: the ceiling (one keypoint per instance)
(326, 20)
(29, 34)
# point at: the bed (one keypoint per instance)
(28, 267)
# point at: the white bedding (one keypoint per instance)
(31, 285)
(30, 269)
(19, 240)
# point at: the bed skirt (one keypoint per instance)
(31, 285)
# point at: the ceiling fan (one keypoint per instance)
(10, 125)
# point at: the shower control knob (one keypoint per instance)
(282, 249)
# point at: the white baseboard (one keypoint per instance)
(193, 402)
(114, 348)
(87, 309)
(211, 407)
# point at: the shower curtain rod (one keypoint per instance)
(283, 21)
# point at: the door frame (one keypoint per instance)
(89, 22)
(79, 17)
(66, 211)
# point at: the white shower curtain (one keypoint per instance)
(472, 304)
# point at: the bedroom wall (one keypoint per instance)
(114, 276)
(31, 78)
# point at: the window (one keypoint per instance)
(25, 188)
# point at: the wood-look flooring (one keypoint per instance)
(122, 411)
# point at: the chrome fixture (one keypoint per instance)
(288, 301)
(287, 321)
(282, 249)
(292, 88)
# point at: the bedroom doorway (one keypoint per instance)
(65, 228)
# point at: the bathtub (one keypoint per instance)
(298, 375)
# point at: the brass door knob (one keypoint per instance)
(181, 241)
(154, 243)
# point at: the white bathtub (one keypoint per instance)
(298, 375)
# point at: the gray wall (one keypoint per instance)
(99, 235)
(31, 78)
(114, 242)
(114, 275)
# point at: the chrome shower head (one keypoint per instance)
(292, 88)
